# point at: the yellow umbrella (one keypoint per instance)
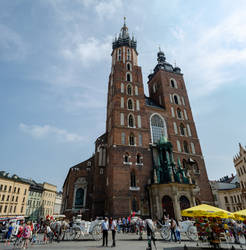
(240, 215)
(205, 210)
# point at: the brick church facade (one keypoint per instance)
(149, 160)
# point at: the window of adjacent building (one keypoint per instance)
(1, 187)
(186, 147)
(140, 140)
(172, 111)
(123, 138)
(182, 129)
(178, 146)
(25, 192)
(13, 198)
(231, 199)
(185, 115)
(3, 196)
(129, 89)
(7, 198)
(1, 207)
(192, 148)
(10, 209)
(128, 77)
(133, 179)
(136, 90)
(130, 121)
(121, 119)
(10, 187)
(122, 87)
(128, 66)
(16, 199)
(5, 208)
(228, 209)
(122, 102)
(128, 55)
(226, 199)
(175, 128)
(139, 121)
(134, 205)
(179, 113)
(130, 104)
(137, 105)
(158, 128)
(132, 139)
(119, 54)
(126, 157)
(5, 188)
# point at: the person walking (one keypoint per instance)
(105, 228)
(173, 230)
(113, 229)
(178, 232)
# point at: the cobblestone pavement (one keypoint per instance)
(123, 242)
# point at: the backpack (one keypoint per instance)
(27, 232)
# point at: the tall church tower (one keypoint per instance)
(128, 154)
(167, 88)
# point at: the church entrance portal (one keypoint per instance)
(167, 205)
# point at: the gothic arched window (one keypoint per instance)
(176, 100)
(158, 128)
(128, 55)
(128, 77)
(128, 66)
(126, 157)
(186, 148)
(130, 104)
(138, 159)
(179, 113)
(173, 83)
(79, 197)
(129, 89)
(131, 121)
(132, 139)
(133, 179)
(182, 129)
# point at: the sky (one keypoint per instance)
(55, 58)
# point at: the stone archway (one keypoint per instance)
(167, 205)
(184, 202)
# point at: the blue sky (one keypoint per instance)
(55, 61)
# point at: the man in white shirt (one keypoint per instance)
(105, 228)
(113, 229)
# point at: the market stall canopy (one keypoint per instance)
(205, 210)
(240, 215)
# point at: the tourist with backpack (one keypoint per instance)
(26, 234)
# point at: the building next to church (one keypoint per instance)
(13, 195)
(149, 159)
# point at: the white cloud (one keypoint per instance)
(12, 47)
(90, 51)
(107, 8)
(211, 57)
(40, 132)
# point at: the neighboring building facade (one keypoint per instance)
(150, 159)
(13, 195)
(33, 210)
(58, 203)
(227, 194)
(48, 199)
